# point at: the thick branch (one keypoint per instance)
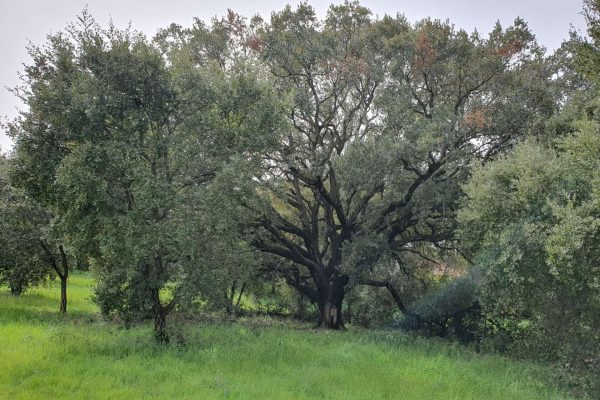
(391, 289)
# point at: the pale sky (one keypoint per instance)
(31, 20)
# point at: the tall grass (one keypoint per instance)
(44, 355)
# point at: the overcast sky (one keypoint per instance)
(31, 20)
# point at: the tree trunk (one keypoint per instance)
(239, 299)
(63, 279)
(16, 289)
(330, 305)
(229, 298)
(391, 289)
(159, 312)
(160, 324)
(63, 293)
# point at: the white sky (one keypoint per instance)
(24, 20)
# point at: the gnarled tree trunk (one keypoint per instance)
(330, 304)
(160, 313)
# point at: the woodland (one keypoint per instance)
(368, 175)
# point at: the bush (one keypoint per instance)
(123, 298)
(532, 220)
(368, 306)
(451, 312)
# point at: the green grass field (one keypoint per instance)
(44, 355)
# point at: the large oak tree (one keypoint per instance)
(383, 120)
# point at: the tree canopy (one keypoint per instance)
(120, 145)
(384, 118)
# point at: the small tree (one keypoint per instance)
(29, 255)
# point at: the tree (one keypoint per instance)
(18, 241)
(123, 144)
(93, 95)
(232, 117)
(29, 254)
(588, 52)
(40, 142)
(384, 118)
(531, 222)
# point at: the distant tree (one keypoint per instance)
(383, 120)
(588, 52)
(28, 253)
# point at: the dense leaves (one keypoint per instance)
(531, 220)
(533, 217)
(20, 263)
(129, 153)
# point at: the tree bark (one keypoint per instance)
(330, 305)
(63, 280)
(63, 293)
(160, 313)
(62, 271)
(16, 289)
(160, 324)
(160, 318)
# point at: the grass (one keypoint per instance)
(44, 355)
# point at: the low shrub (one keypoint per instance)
(451, 312)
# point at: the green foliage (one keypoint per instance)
(452, 311)
(138, 168)
(329, 154)
(331, 147)
(588, 52)
(370, 307)
(22, 260)
(532, 218)
(384, 119)
(122, 298)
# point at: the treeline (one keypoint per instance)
(359, 161)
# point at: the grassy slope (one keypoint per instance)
(44, 355)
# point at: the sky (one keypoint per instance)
(25, 21)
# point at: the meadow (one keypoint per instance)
(45, 355)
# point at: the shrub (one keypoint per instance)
(451, 312)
